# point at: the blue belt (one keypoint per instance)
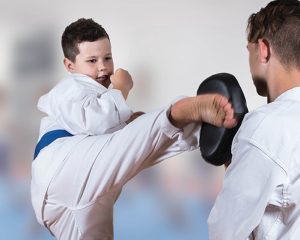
(48, 138)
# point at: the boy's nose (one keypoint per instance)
(101, 67)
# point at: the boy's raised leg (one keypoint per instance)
(210, 108)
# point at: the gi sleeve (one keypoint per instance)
(248, 184)
(89, 113)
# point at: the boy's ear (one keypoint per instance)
(69, 65)
(264, 50)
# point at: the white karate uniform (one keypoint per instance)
(76, 180)
(80, 105)
(260, 198)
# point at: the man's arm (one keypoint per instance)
(248, 184)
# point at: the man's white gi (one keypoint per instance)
(260, 198)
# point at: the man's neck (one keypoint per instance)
(282, 80)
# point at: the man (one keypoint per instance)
(260, 198)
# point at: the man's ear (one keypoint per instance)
(264, 50)
(69, 65)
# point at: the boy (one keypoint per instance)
(77, 176)
(82, 103)
(260, 198)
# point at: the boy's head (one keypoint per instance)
(87, 50)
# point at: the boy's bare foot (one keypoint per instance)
(210, 108)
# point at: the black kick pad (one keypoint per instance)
(215, 142)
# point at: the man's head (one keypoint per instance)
(275, 30)
(87, 50)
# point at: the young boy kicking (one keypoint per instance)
(91, 144)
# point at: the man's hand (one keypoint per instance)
(122, 81)
(226, 165)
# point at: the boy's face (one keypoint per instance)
(94, 60)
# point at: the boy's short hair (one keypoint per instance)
(279, 23)
(80, 31)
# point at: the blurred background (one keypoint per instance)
(169, 47)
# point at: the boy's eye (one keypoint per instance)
(108, 58)
(92, 60)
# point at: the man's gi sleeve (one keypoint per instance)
(248, 184)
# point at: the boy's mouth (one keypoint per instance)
(104, 80)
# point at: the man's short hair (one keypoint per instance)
(279, 24)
